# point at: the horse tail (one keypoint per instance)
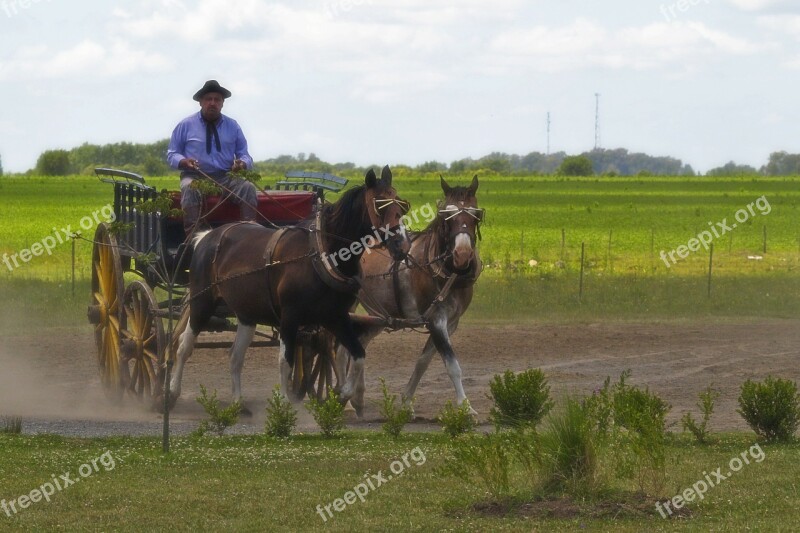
(199, 237)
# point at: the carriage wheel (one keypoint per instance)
(105, 306)
(318, 361)
(142, 343)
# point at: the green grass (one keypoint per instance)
(259, 484)
(525, 218)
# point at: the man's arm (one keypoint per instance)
(177, 145)
(241, 153)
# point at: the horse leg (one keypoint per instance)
(441, 339)
(348, 337)
(288, 332)
(244, 336)
(342, 358)
(419, 369)
(424, 361)
(185, 348)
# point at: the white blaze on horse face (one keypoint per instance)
(462, 251)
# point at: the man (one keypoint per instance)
(210, 142)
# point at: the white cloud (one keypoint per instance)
(761, 5)
(87, 57)
(586, 44)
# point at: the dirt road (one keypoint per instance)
(51, 378)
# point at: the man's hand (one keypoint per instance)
(238, 165)
(189, 164)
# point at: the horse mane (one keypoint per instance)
(345, 217)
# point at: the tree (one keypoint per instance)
(732, 169)
(783, 164)
(53, 163)
(576, 165)
(1, 165)
(431, 166)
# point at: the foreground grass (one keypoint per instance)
(255, 484)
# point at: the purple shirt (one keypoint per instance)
(189, 141)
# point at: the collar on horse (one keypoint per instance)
(328, 273)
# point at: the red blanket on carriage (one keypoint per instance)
(280, 207)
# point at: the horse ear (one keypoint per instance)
(473, 187)
(386, 175)
(445, 187)
(370, 180)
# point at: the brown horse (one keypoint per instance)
(446, 247)
(304, 275)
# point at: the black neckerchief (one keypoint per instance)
(211, 131)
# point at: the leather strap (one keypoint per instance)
(327, 272)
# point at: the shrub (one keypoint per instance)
(218, 419)
(569, 451)
(456, 421)
(626, 406)
(706, 405)
(771, 408)
(487, 457)
(630, 424)
(396, 416)
(519, 399)
(328, 414)
(11, 425)
(281, 415)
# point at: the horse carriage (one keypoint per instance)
(295, 246)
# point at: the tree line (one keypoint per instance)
(149, 160)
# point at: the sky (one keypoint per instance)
(390, 81)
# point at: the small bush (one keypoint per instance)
(627, 406)
(11, 425)
(630, 424)
(486, 457)
(218, 419)
(281, 415)
(519, 399)
(771, 408)
(456, 421)
(396, 416)
(569, 450)
(706, 405)
(328, 414)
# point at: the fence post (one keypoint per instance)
(710, 266)
(583, 253)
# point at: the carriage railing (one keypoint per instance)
(130, 190)
(318, 182)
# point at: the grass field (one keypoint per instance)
(255, 484)
(525, 219)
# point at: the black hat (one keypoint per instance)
(212, 86)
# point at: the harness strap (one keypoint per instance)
(327, 272)
(443, 294)
(268, 251)
(396, 286)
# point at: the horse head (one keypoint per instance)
(386, 211)
(460, 218)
